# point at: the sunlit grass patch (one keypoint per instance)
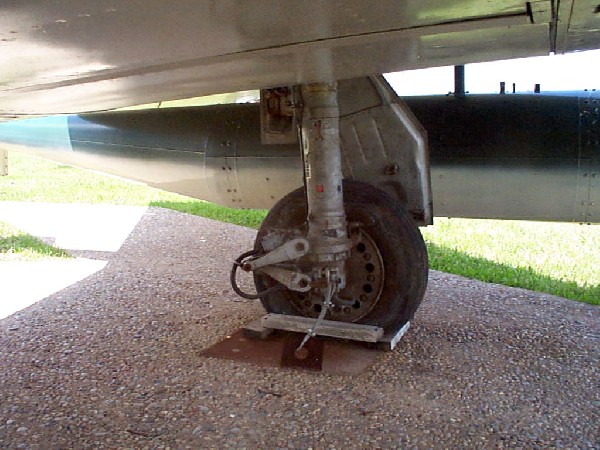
(16, 245)
(37, 180)
(251, 218)
(558, 258)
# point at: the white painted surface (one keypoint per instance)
(24, 283)
(75, 226)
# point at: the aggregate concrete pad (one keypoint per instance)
(114, 361)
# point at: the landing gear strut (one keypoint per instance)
(344, 251)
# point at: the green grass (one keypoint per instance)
(548, 257)
(37, 180)
(18, 246)
(248, 218)
(558, 258)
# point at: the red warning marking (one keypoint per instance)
(318, 126)
(320, 188)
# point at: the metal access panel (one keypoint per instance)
(524, 157)
(588, 177)
(241, 172)
(384, 144)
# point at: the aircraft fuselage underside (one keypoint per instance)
(528, 157)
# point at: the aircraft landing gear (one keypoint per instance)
(344, 251)
(386, 269)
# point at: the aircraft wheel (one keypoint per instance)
(387, 269)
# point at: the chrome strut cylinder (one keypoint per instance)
(327, 230)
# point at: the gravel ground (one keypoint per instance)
(113, 362)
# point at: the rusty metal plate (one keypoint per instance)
(278, 350)
(310, 357)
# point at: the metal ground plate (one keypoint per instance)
(325, 355)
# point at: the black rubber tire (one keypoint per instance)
(397, 237)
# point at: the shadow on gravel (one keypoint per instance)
(459, 263)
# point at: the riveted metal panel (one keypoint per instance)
(588, 176)
(511, 156)
(246, 173)
(263, 181)
(383, 144)
(523, 189)
(220, 167)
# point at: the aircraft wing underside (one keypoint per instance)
(69, 56)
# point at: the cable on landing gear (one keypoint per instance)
(313, 331)
(239, 262)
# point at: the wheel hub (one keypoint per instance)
(365, 281)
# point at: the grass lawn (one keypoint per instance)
(18, 246)
(557, 258)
